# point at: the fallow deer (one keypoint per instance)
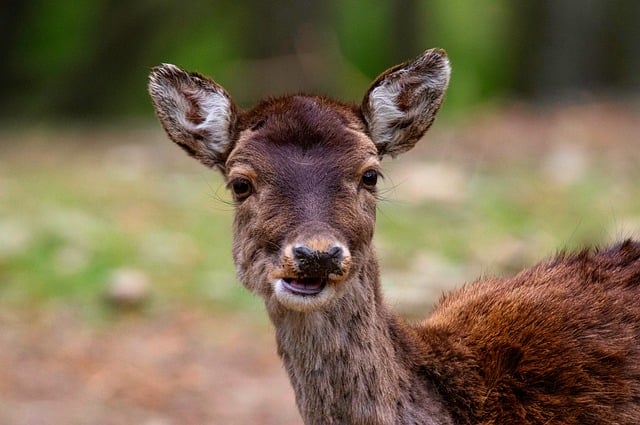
(558, 343)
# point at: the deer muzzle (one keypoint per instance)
(309, 266)
(318, 263)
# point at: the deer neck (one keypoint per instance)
(349, 364)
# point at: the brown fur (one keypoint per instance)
(558, 343)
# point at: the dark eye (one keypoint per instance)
(370, 179)
(241, 188)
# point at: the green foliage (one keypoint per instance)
(89, 59)
(476, 36)
(364, 34)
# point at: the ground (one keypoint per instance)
(185, 367)
(84, 209)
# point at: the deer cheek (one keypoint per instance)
(245, 251)
(366, 217)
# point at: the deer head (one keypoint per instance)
(303, 172)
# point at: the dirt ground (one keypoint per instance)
(177, 368)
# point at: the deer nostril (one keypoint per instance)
(301, 253)
(335, 252)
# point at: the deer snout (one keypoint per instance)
(314, 261)
(319, 263)
(311, 273)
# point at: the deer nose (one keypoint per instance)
(318, 263)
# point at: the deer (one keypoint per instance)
(558, 343)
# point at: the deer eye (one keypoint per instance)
(241, 188)
(370, 179)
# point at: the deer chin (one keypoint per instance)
(304, 295)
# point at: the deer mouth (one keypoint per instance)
(304, 286)
(309, 279)
(305, 293)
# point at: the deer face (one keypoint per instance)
(302, 170)
(304, 180)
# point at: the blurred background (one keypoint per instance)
(86, 60)
(118, 301)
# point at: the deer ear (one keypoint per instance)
(197, 114)
(402, 102)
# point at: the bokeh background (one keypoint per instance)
(118, 301)
(85, 60)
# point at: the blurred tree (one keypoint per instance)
(406, 20)
(569, 47)
(13, 14)
(120, 37)
(12, 17)
(284, 48)
(275, 28)
(364, 34)
(89, 58)
(623, 36)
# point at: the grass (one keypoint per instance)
(78, 206)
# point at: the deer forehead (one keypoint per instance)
(305, 135)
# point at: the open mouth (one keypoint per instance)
(304, 286)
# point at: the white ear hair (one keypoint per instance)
(402, 103)
(196, 113)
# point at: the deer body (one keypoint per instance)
(558, 343)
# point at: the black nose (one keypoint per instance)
(312, 263)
